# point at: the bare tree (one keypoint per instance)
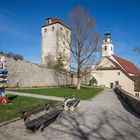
(83, 43)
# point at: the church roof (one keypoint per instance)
(127, 65)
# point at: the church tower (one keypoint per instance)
(107, 46)
(55, 41)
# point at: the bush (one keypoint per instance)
(12, 55)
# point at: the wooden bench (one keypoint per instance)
(42, 121)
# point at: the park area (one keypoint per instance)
(19, 103)
(84, 93)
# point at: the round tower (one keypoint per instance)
(107, 46)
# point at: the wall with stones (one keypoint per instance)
(26, 74)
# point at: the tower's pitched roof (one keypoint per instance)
(57, 20)
(127, 65)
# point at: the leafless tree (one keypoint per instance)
(83, 43)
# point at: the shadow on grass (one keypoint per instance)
(12, 97)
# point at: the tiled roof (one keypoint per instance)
(127, 65)
(57, 20)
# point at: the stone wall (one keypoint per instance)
(132, 100)
(26, 74)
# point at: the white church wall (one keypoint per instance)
(106, 77)
(106, 63)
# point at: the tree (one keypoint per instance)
(84, 42)
(59, 65)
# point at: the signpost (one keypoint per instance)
(3, 80)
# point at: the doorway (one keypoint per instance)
(111, 85)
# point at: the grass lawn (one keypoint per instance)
(83, 93)
(13, 110)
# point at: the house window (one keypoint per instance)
(116, 82)
(137, 94)
(105, 48)
(45, 30)
(61, 28)
(118, 73)
(52, 28)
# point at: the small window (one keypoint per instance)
(52, 28)
(45, 30)
(137, 94)
(111, 48)
(118, 73)
(64, 43)
(67, 32)
(116, 82)
(105, 48)
(61, 28)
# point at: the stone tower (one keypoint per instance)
(55, 42)
(107, 46)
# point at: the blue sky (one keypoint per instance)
(21, 21)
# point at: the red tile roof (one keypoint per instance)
(57, 20)
(127, 65)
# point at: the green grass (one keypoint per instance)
(13, 110)
(83, 93)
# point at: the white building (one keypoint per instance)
(113, 70)
(55, 42)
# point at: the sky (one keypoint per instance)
(21, 21)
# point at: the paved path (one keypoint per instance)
(36, 96)
(103, 118)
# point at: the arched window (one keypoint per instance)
(45, 30)
(105, 48)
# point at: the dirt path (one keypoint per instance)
(103, 118)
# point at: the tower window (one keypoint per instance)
(52, 28)
(67, 32)
(45, 30)
(111, 48)
(105, 48)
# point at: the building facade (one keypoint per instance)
(113, 70)
(56, 38)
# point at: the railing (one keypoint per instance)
(132, 100)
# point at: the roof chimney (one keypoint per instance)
(49, 20)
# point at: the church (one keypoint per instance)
(113, 70)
